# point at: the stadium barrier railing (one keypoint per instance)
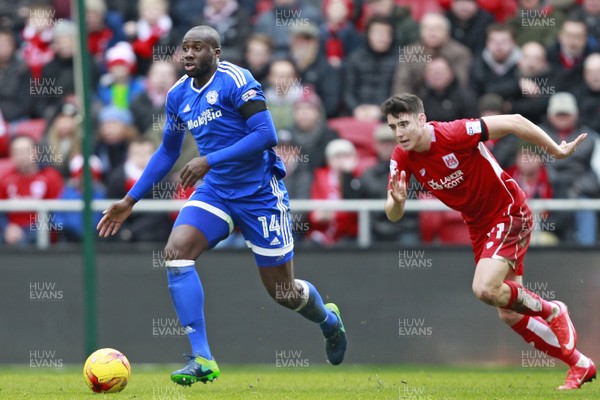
(44, 208)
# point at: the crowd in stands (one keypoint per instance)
(325, 67)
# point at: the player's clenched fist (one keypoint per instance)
(398, 187)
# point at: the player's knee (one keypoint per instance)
(486, 293)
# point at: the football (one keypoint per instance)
(106, 371)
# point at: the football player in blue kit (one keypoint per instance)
(224, 108)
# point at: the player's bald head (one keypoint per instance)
(205, 34)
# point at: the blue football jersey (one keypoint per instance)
(212, 115)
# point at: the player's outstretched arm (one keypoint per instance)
(501, 125)
(394, 205)
(114, 216)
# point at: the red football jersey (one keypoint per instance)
(461, 172)
(46, 184)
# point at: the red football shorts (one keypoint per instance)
(505, 238)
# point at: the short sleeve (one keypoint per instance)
(464, 134)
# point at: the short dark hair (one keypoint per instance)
(402, 103)
(501, 27)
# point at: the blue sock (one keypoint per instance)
(314, 309)
(188, 299)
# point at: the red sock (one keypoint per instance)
(537, 331)
(526, 302)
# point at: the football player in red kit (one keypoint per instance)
(451, 161)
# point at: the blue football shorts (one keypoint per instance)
(263, 219)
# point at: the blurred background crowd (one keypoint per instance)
(325, 66)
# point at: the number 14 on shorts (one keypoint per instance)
(272, 226)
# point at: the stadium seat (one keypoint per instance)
(445, 227)
(360, 133)
(34, 128)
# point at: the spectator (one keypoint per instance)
(373, 185)
(310, 132)
(298, 179)
(334, 182)
(63, 139)
(37, 38)
(338, 36)
(142, 227)
(105, 29)
(589, 12)
(115, 131)
(153, 28)
(530, 173)
(277, 22)
(370, 71)
(149, 106)
(528, 95)
(505, 148)
(257, 56)
(434, 40)
(536, 22)
(60, 71)
(284, 89)
(71, 223)
(468, 23)
(27, 181)
(495, 67)
(120, 85)
(406, 29)
(233, 24)
(567, 53)
(313, 67)
(15, 81)
(443, 97)
(572, 179)
(588, 94)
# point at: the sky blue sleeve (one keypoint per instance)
(165, 156)
(262, 136)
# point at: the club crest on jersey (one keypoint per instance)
(212, 96)
(451, 161)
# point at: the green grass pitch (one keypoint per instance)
(322, 382)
